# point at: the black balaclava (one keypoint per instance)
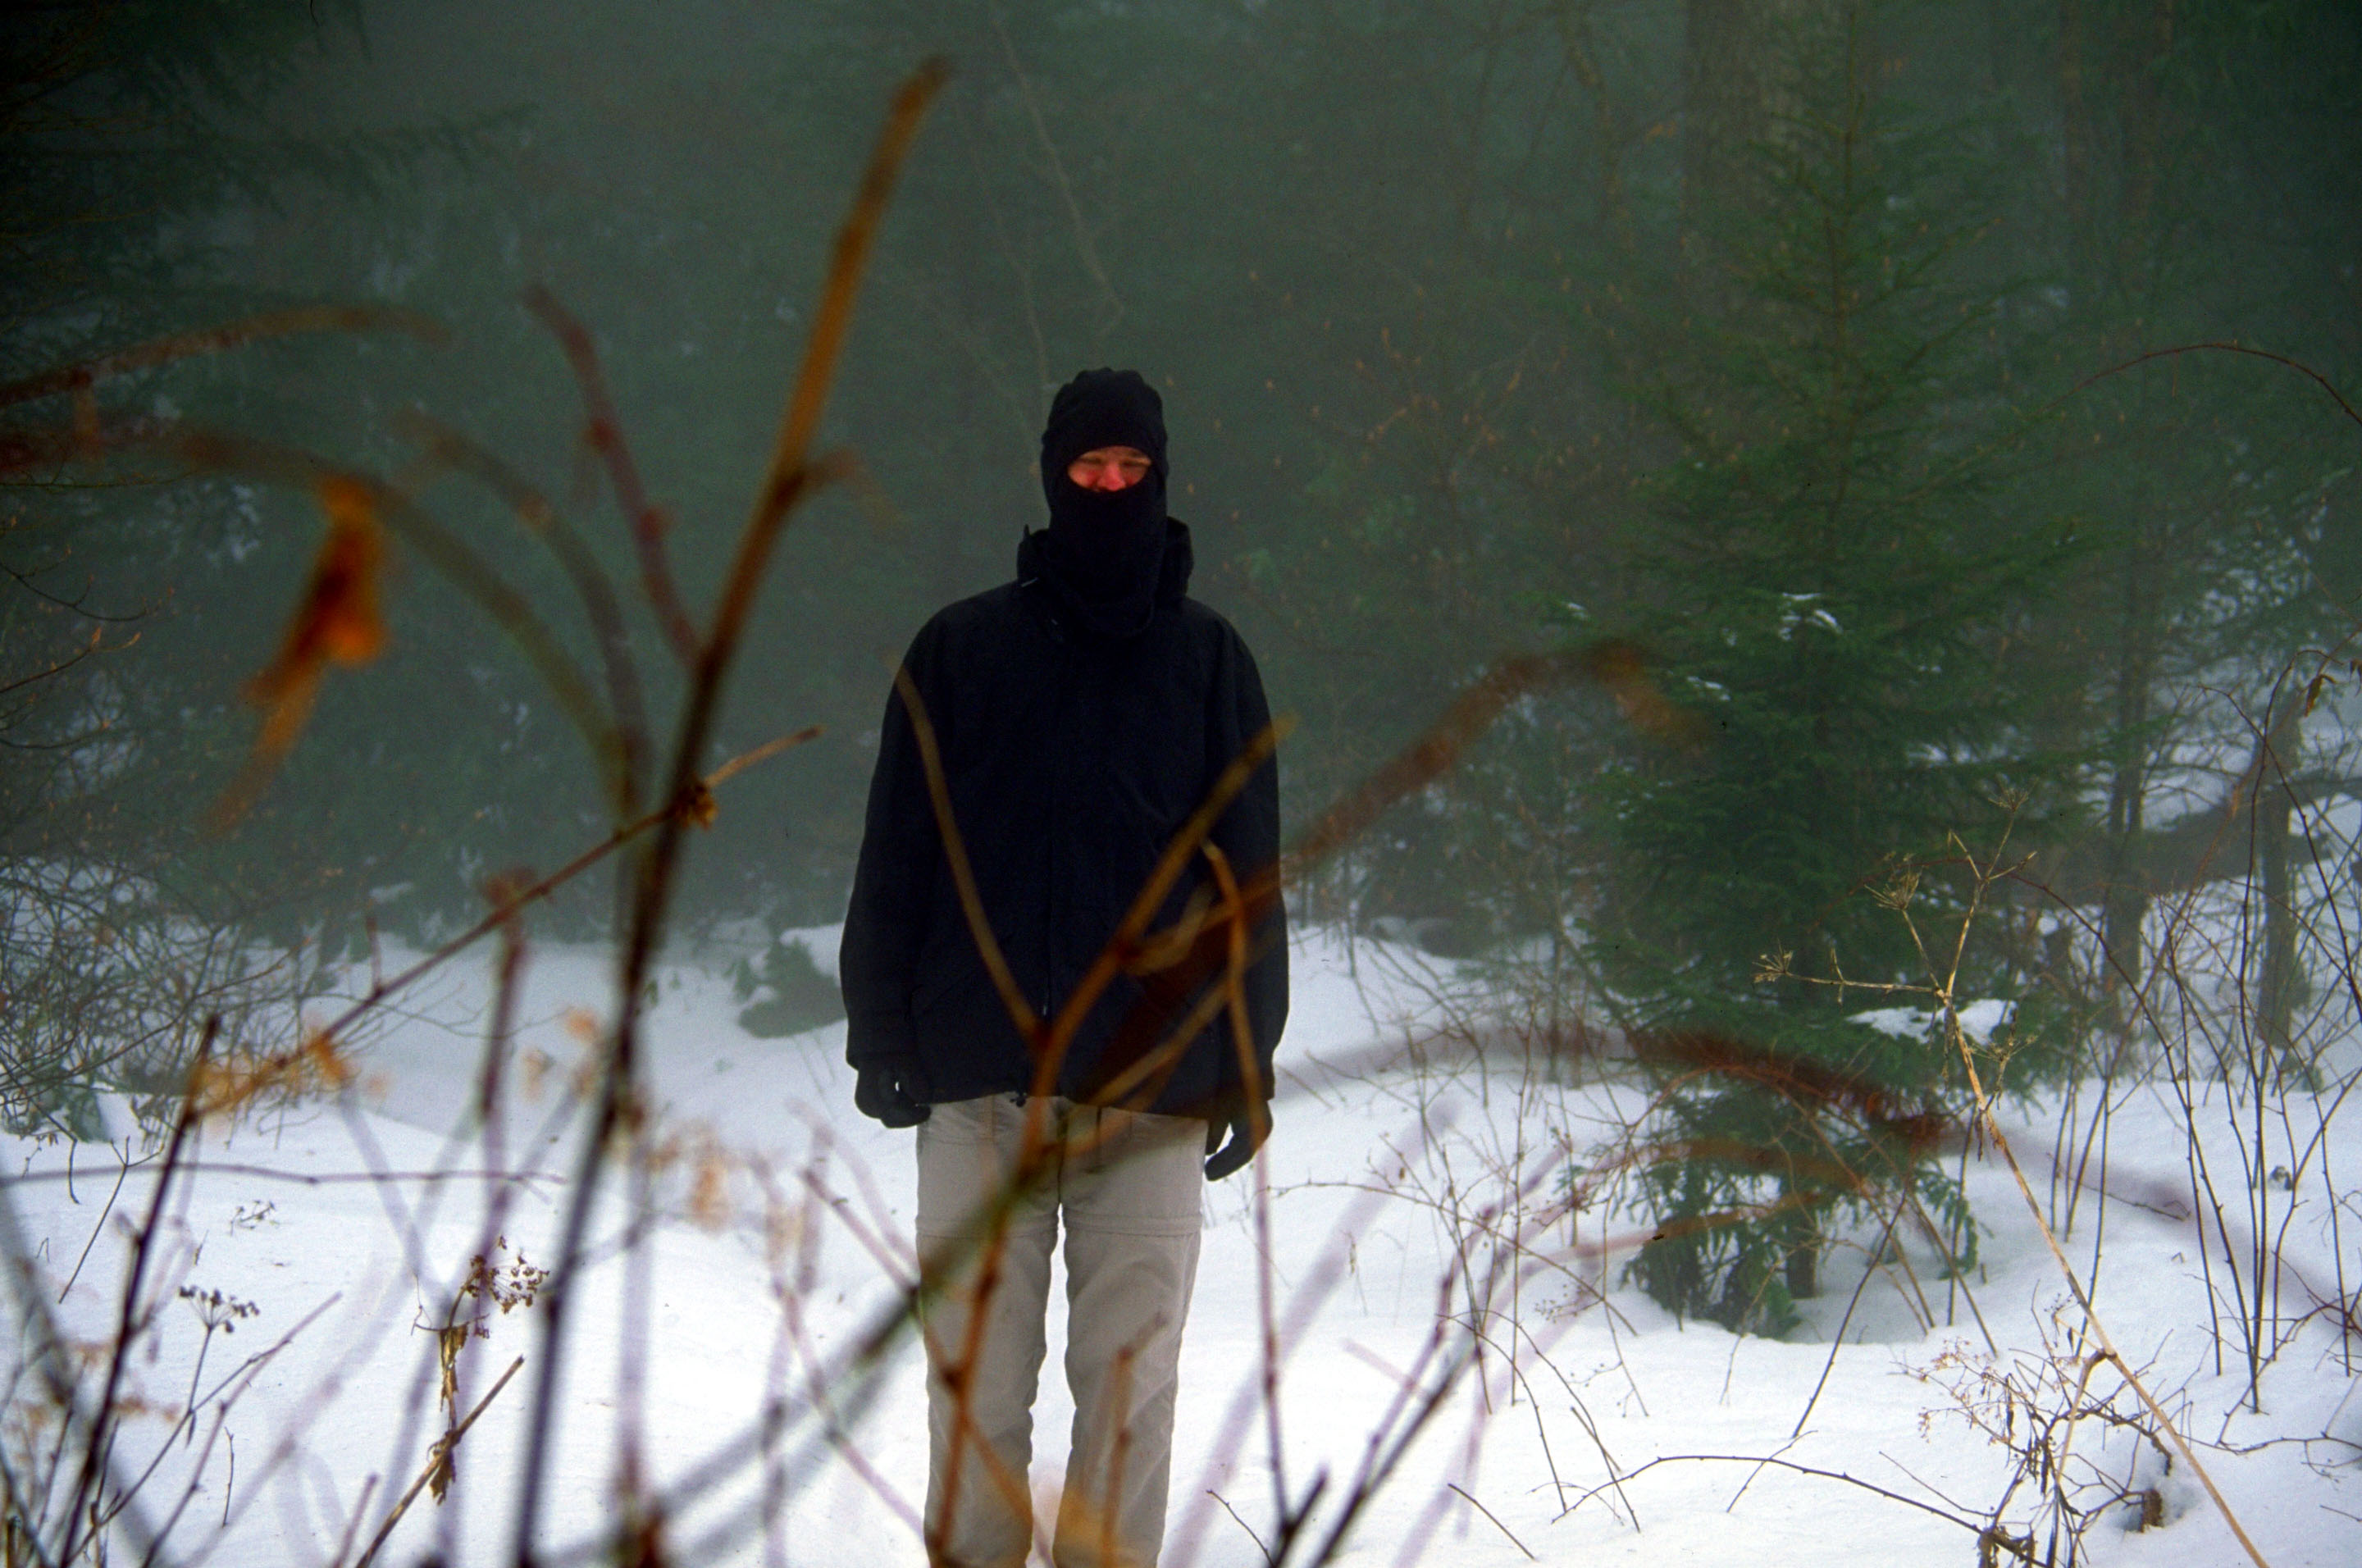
(1104, 549)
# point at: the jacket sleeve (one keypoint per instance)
(1248, 835)
(894, 881)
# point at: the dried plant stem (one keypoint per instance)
(124, 1169)
(227, 1396)
(459, 562)
(792, 476)
(2092, 1316)
(434, 1459)
(987, 946)
(796, 1335)
(1084, 249)
(1405, 1419)
(1124, 947)
(78, 379)
(1986, 875)
(353, 1524)
(2224, 348)
(1777, 1463)
(604, 432)
(960, 1373)
(1489, 1513)
(97, 1455)
(1241, 1523)
(542, 519)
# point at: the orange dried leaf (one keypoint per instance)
(337, 622)
(343, 600)
(708, 1197)
(328, 1065)
(226, 1086)
(1623, 670)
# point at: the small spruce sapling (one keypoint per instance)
(1822, 581)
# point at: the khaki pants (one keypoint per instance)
(1128, 1186)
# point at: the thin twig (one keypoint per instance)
(606, 433)
(1970, 1525)
(542, 519)
(76, 379)
(792, 475)
(1489, 1513)
(2224, 348)
(353, 1525)
(123, 1169)
(1083, 247)
(511, 906)
(1986, 875)
(987, 946)
(1242, 1523)
(95, 1456)
(312, 1179)
(440, 1449)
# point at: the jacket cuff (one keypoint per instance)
(1230, 1097)
(879, 1040)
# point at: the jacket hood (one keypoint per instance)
(1104, 549)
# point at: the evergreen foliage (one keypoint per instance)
(1823, 579)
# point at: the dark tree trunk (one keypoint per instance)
(2125, 909)
(2276, 997)
(1803, 1239)
(1743, 62)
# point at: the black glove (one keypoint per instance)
(1225, 1158)
(883, 1091)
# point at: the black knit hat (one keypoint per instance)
(1102, 408)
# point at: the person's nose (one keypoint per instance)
(1110, 476)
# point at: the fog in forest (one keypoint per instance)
(1849, 496)
(1484, 329)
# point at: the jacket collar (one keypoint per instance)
(1172, 581)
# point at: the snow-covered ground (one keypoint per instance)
(334, 1247)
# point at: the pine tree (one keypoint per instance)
(1822, 577)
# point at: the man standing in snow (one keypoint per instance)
(1082, 713)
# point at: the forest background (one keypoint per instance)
(1758, 349)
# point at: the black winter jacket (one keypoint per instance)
(1071, 760)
